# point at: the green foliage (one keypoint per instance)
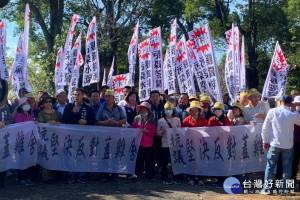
(263, 25)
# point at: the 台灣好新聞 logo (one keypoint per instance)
(232, 186)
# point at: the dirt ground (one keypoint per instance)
(125, 189)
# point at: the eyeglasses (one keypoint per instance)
(47, 101)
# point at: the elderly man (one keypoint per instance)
(110, 115)
(180, 109)
(62, 99)
(256, 111)
(277, 134)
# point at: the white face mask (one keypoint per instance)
(26, 107)
(218, 113)
(144, 114)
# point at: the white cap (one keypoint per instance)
(60, 91)
(296, 99)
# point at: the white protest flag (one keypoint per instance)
(183, 72)
(76, 61)
(104, 78)
(230, 71)
(132, 51)
(74, 55)
(169, 75)
(203, 42)
(91, 72)
(17, 70)
(118, 84)
(156, 59)
(66, 57)
(276, 79)
(26, 40)
(236, 50)
(3, 68)
(110, 73)
(165, 70)
(197, 64)
(242, 81)
(145, 70)
(58, 68)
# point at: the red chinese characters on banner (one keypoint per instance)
(145, 81)
(156, 59)
(203, 44)
(183, 72)
(118, 84)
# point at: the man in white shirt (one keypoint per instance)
(256, 111)
(278, 138)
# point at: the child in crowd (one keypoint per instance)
(194, 120)
(168, 121)
(145, 122)
(237, 111)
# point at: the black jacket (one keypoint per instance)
(85, 112)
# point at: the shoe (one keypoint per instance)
(148, 181)
(82, 180)
(191, 182)
(23, 182)
(167, 181)
(70, 180)
(139, 180)
(28, 182)
(265, 192)
(201, 183)
(219, 184)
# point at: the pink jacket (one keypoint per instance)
(147, 138)
(21, 117)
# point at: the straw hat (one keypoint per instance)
(237, 105)
(252, 92)
(204, 98)
(218, 105)
(168, 105)
(109, 92)
(194, 104)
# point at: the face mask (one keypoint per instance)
(168, 112)
(26, 107)
(218, 113)
(144, 115)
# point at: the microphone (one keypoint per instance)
(76, 105)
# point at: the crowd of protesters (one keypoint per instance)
(153, 117)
